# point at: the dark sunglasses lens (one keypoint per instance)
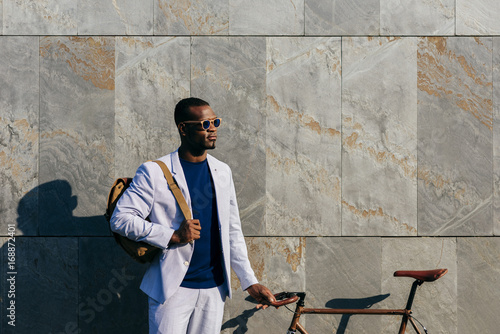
(205, 124)
(217, 122)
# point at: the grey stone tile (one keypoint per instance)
(264, 17)
(110, 300)
(409, 17)
(343, 273)
(152, 74)
(303, 140)
(28, 17)
(230, 73)
(1, 17)
(478, 267)
(77, 81)
(379, 136)
(195, 17)
(478, 17)
(342, 17)
(279, 264)
(434, 303)
(19, 130)
(118, 17)
(46, 285)
(496, 136)
(455, 136)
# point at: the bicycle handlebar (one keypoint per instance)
(284, 298)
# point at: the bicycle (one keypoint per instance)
(285, 298)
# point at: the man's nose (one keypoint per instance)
(212, 127)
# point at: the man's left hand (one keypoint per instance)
(263, 295)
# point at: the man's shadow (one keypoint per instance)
(47, 210)
(240, 322)
(352, 303)
(73, 267)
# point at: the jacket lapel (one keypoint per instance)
(178, 174)
(220, 190)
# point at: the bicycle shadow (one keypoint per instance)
(353, 303)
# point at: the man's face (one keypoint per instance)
(194, 134)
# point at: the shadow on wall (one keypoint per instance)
(49, 208)
(72, 268)
(240, 323)
(352, 303)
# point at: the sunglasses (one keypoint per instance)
(205, 124)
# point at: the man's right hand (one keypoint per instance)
(187, 232)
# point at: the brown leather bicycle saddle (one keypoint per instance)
(423, 275)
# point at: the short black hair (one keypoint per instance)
(181, 113)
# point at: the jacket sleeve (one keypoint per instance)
(133, 208)
(238, 248)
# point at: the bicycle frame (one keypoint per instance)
(405, 313)
(300, 309)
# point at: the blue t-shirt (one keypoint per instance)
(205, 269)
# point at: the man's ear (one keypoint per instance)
(182, 129)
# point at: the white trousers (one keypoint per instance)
(189, 311)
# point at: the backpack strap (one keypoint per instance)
(175, 189)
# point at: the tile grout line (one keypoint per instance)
(39, 136)
(341, 134)
(416, 149)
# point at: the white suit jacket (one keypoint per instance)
(149, 196)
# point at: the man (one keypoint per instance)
(188, 282)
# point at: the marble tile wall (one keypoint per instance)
(118, 17)
(19, 121)
(342, 17)
(1, 16)
(345, 284)
(476, 282)
(477, 17)
(379, 136)
(151, 74)
(77, 90)
(420, 17)
(194, 17)
(45, 287)
(496, 136)
(303, 111)
(363, 137)
(455, 120)
(237, 17)
(27, 17)
(230, 73)
(252, 17)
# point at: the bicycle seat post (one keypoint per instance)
(413, 291)
(409, 304)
